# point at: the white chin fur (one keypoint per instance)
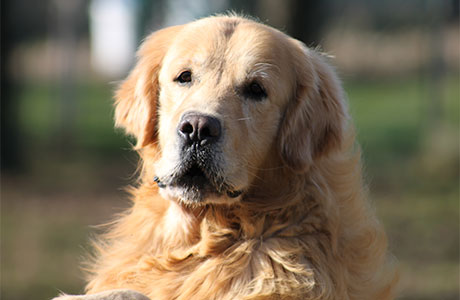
(174, 194)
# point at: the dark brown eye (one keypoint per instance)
(255, 91)
(184, 77)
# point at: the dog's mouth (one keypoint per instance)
(194, 178)
(195, 183)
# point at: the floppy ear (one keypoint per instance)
(315, 119)
(136, 98)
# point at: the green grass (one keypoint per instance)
(397, 130)
(411, 160)
(88, 126)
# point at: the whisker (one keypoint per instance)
(243, 119)
(254, 174)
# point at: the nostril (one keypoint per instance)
(209, 129)
(205, 132)
(186, 128)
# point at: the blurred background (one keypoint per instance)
(63, 166)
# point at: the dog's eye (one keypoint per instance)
(255, 91)
(184, 77)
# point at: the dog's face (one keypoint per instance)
(217, 97)
(221, 100)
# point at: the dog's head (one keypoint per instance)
(218, 98)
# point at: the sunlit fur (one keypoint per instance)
(302, 229)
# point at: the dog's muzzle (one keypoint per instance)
(199, 174)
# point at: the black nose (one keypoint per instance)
(199, 128)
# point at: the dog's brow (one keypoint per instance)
(198, 60)
(263, 69)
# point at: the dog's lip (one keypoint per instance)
(234, 194)
(196, 177)
(192, 176)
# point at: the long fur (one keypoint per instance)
(304, 230)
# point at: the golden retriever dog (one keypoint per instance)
(251, 184)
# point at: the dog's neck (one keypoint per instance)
(260, 215)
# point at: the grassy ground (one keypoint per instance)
(412, 169)
(410, 147)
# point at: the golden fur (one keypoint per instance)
(302, 228)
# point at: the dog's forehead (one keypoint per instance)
(210, 42)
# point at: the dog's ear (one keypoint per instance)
(136, 98)
(316, 116)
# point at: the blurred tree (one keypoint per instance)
(437, 15)
(23, 22)
(304, 20)
(66, 19)
(307, 20)
(20, 20)
(9, 142)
